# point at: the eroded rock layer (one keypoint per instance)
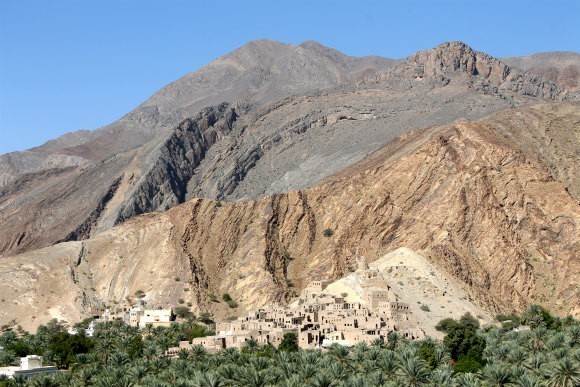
(469, 197)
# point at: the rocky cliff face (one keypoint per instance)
(73, 203)
(562, 68)
(260, 72)
(465, 195)
(249, 149)
(453, 60)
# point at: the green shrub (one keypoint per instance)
(182, 311)
(328, 232)
(289, 343)
(232, 304)
(444, 324)
(469, 362)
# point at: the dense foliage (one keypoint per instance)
(118, 355)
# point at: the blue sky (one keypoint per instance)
(69, 65)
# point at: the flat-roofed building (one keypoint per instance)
(29, 366)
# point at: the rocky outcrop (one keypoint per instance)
(170, 149)
(453, 60)
(73, 203)
(562, 68)
(465, 196)
(165, 184)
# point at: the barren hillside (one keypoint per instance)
(562, 68)
(478, 204)
(260, 142)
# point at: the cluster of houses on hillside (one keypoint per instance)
(319, 319)
(136, 316)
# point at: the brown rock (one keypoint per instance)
(465, 195)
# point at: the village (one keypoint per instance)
(317, 317)
(320, 319)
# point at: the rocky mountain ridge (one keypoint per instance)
(453, 59)
(249, 149)
(562, 68)
(467, 196)
(260, 72)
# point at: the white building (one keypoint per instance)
(29, 366)
(156, 317)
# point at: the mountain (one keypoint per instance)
(259, 72)
(562, 68)
(170, 149)
(226, 180)
(488, 210)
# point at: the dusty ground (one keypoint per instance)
(418, 283)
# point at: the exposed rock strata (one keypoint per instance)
(562, 68)
(171, 149)
(447, 60)
(73, 203)
(465, 195)
(260, 72)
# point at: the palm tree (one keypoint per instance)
(42, 381)
(207, 379)
(230, 354)
(467, 380)
(158, 364)
(105, 381)
(311, 356)
(564, 373)
(536, 362)
(496, 374)
(573, 333)
(252, 378)
(7, 358)
(378, 343)
(529, 380)
(18, 381)
(413, 371)
(150, 351)
(86, 373)
(307, 370)
(138, 371)
(556, 341)
(388, 363)
(339, 353)
(64, 379)
(228, 373)
(442, 376)
(118, 359)
(251, 345)
(377, 379)
(537, 342)
(394, 339)
(517, 355)
(104, 348)
(292, 381)
(162, 342)
(336, 370)
(197, 353)
(355, 381)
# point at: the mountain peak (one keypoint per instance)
(454, 44)
(455, 57)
